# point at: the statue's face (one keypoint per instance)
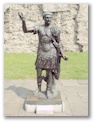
(47, 19)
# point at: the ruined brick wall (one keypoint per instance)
(72, 19)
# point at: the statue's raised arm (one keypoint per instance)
(25, 30)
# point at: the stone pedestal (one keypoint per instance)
(42, 105)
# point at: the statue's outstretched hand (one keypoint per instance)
(21, 16)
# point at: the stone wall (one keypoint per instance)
(72, 19)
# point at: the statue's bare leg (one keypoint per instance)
(53, 83)
(39, 80)
(51, 91)
(54, 90)
(49, 84)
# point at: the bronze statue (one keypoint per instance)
(49, 53)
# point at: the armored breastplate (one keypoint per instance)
(46, 49)
(46, 43)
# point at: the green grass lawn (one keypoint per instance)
(22, 66)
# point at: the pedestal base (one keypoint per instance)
(43, 105)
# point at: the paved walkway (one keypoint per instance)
(74, 94)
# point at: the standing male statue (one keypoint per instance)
(49, 52)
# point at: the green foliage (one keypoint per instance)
(22, 66)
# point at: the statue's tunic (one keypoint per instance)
(47, 53)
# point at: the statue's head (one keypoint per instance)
(47, 16)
